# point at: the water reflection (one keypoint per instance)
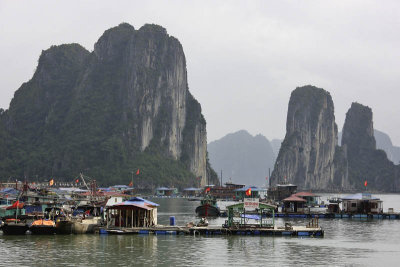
(346, 242)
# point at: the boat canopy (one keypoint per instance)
(43, 222)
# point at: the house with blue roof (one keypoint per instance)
(132, 213)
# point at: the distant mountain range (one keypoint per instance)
(383, 142)
(243, 158)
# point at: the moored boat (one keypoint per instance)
(64, 227)
(14, 227)
(86, 226)
(208, 207)
(43, 227)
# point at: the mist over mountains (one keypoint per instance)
(243, 158)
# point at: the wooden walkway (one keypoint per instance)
(218, 230)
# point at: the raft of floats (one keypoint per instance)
(299, 231)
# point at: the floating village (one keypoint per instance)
(83, 208)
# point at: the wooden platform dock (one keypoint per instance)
(300, 231)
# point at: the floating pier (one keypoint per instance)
(300, 231)
(387, 216)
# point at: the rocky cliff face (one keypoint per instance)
(365, 162)
(128, 97)
(306, 157)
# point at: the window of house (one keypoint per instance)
(353, 205)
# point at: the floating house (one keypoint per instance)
(115, 198)
(255, 192)
(225, 192)
(362, 203)
(281, 191)
(135, 212)
(120, 188)
(191, 192)
(310, 198)
(293, 204)
(165, 191)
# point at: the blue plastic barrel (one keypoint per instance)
(172, 220)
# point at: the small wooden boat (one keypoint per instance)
(14, 227)
(208, 207)
(43, 227)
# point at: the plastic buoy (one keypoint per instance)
(172, 221)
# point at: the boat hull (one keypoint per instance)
(207, 211)
(86, 226)
(42, 230)
(64, 227)
(14, 229)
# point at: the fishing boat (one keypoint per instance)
(14, 227)
(208, 207)
(86, 225)
(64, 227)
(43, 227)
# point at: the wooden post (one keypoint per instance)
(126, 218)
(120, 217)
(108, 217)
(273, 218)
(132, 219)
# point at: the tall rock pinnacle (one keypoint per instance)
(307, 152)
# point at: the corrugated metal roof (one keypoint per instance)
(294, 198)
(130, 204)
(142, 200)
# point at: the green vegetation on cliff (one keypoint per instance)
(107, 113)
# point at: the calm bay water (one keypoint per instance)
(346, 242)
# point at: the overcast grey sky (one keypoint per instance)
(243, 57)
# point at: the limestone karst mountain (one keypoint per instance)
(306, 156)
(365, 161)
(125, 106)
(311, 157)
